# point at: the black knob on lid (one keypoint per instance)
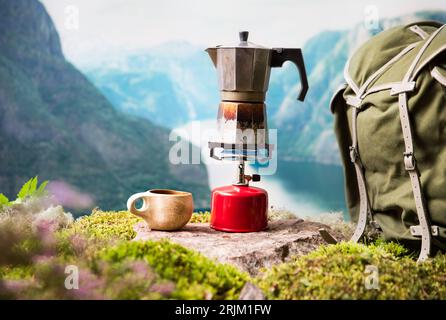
(243, 36)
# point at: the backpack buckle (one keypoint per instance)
(409, 161)
(353, 154)
(402, 87)
(416, 231)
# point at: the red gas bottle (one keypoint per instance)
(239, 208)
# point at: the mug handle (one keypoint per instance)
(131, 204)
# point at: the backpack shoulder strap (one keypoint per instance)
(336, 102)
(434, 45)
(423, 57)
(364, 204)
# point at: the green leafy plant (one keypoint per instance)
(31, 188)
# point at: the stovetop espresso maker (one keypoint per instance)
(243, 77)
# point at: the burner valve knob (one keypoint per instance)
(255, 177)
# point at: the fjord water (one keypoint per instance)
(305, 188)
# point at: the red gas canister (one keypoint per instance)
(239, 208)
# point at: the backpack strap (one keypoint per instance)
(436, 44)
(423, 34)
(424, 229)
(364, 205)
(420, 61)
(410, 165)
(365, 212)
(436, 74)
(362, 91)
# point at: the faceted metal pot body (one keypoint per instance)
(243, 72)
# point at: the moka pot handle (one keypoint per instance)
(280, 55)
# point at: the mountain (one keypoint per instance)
(185, 78)
(172, 79)
(56, 124)
(306, 128)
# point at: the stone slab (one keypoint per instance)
(247, 251)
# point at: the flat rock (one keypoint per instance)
(247, 251)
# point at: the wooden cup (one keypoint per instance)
(163, 209)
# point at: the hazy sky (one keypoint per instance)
(101, 27)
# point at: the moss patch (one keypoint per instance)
(340, 272)
(201, 217)
(196, 276)
(273, 214)
(105, 225)
(113, 267)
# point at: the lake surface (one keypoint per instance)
(305, 188)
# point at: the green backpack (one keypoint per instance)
(390, 124)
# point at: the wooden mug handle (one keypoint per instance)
(131, 204)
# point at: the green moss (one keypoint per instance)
(16, 273)
(99, 244)
(273, 214)
(201, 217)
(280, 214)
(339, 272)
(105, 225)
(196, 276)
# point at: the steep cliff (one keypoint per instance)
(56, 124)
